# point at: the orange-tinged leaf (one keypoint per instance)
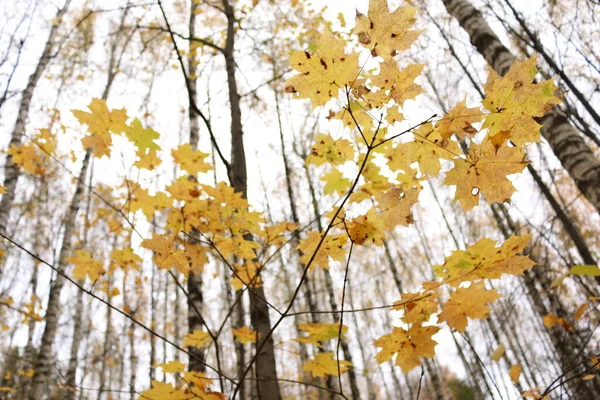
(245, 335)
(580, 311)
(368, 228)
(467, 302)
(551, 320)
(325, 365)
(409, 346)
(2, 189)
(484, 172)
(483, 260)
(515, 372)
(394, 205)
(385, 33)
(247, 274)
(324, 72)
(165, 256)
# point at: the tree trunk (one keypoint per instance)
(568, 146)
(43, 364)
(266, 370)
(11, 172)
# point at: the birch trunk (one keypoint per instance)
(43, 364)
(11, 172)
(568, 146)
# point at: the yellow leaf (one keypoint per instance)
(326, 149)
(172, 367)
(324, 72)
(408, 346)
(85, 265)
(587, 270)
(142, 137)
(100, 123)
(498, 353)
(514, 100)
(191, 161)
(319, 333)
(483, 260)
(484, 172)
(2, 189)
(398, 84)
(197, 338)
(324, 365)
(515, 372)
(459, 121)
(467, 302)
(335, 182)
(244, 335)
(368, 228)
(385, 33)
(162, 391)
(333, 246)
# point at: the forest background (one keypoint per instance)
(109, 289)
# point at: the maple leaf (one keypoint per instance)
(324, 365)
(189, 160)
(467, 302)
(459, 121)
(26, 157)
(148, 204)
(515, 372)
(147, 159)
(126, 258)
(385, 33)
(334, 152)
(172, 367)
(368, 228)
(333, 246)
(161, 391)
(85, 265)
(324, 72)
(498, 353)
(247, 274)
(394, 205)
(513, 100)
(398, 84)
(100, 123)
(319, 333)
(142, 137)
(408, 346)
(483, 260)
(244, 335)
(417, 307)
(165, 256)
(484, 172)
(196, 338)
(335, 182)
